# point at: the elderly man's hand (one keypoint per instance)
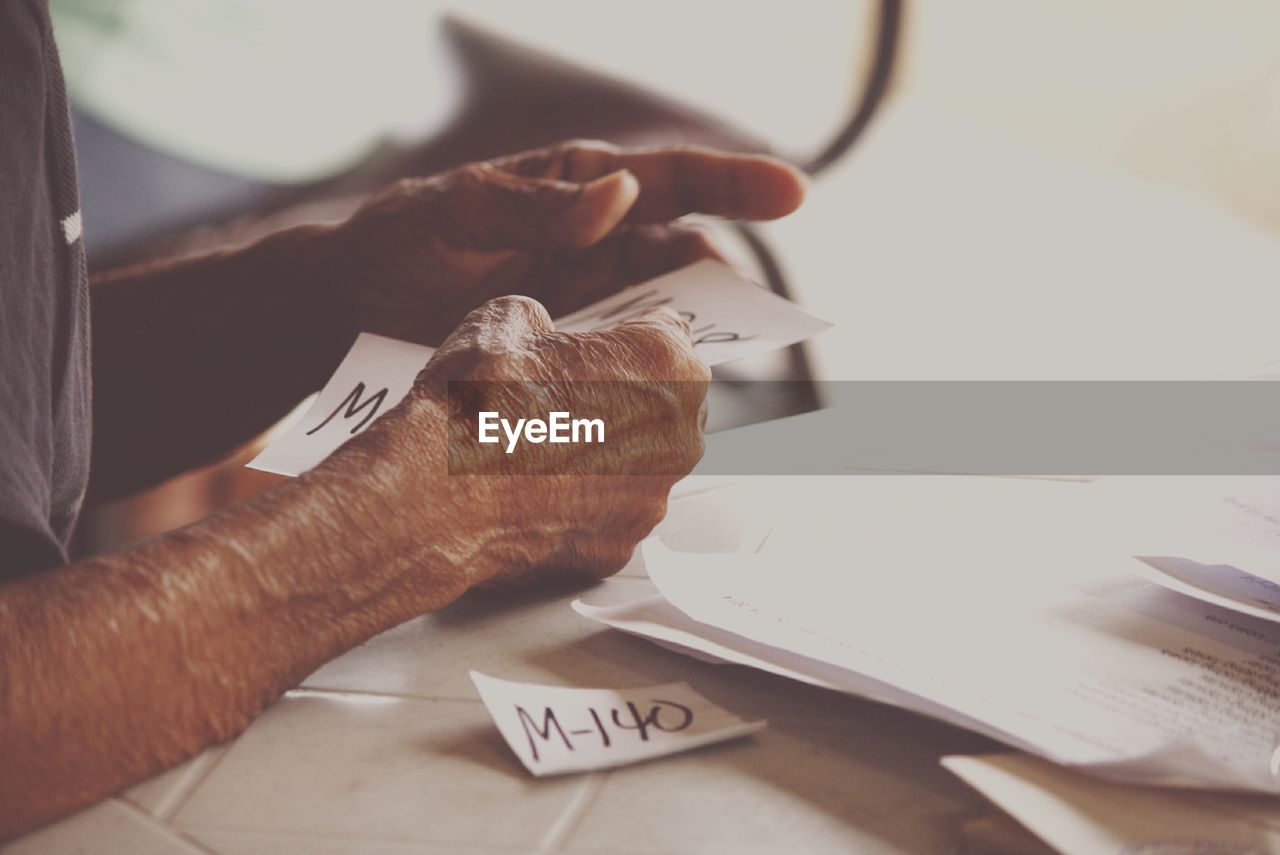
(565, 225)
(542, 511)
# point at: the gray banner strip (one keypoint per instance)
(1012, 428)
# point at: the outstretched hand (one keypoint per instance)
(565, 225)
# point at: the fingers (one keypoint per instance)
(577, 195)
(675, 181)
(666, 319)
(501, 210)
(513, 338)
(597, 211)
(665, 339)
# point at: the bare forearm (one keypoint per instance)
(115, 668)
(192, 358)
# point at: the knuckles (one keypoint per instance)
(533, 313)
(644, 379)
(567, 160)
(584, 144)
(668, 353)
(469, 177)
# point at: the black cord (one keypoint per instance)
(879, 76)
(800, 368)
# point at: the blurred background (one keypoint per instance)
(1061, 189)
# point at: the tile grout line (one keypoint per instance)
(175, 802)
(163, 827)
(193, 843)
(311, 837)
(305, 690)
(573, 812)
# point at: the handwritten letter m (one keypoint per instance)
(353, 406)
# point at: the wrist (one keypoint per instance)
(390, 487)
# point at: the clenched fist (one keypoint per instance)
(543, 510)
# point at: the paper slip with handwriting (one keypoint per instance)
(553, 729)
(731, 318)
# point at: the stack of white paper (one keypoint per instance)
(1010, 607)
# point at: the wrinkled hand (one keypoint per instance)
(566, 225)
(543, 511)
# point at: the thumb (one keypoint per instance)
(540, 213)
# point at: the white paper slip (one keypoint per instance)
(1219, 584)
(375, 375)
(1080, 815)
(1203, 520)
(553, 729)
(731, 319)
(1216, 539)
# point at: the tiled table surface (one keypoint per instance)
(388, 749)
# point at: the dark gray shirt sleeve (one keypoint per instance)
(44, 313)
